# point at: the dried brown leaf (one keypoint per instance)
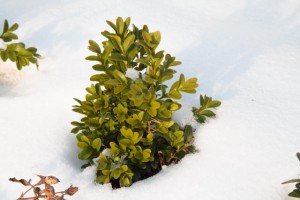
(51, 180)
(49, 191)
(71, 190)
(37, 191)
(22, 181)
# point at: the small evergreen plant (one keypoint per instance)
(127, 128)
(17, 52)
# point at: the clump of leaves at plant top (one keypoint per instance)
(16, 52)
(127, 128)
(295, 192)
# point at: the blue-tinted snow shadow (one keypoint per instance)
(226, 52)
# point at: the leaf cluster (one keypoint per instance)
(296, 192)
(127, 128)
(205, 111)
(17, 52)
(47, 192)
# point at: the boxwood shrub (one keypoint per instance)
(127, 128)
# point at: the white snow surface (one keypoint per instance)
(245, 53)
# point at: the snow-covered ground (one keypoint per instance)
(245, 53)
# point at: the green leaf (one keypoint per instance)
(99, 77)
(107, 50)
(146, 36)
(85, 153)
(188, 86)
(188, 133)
(120, 76)
(295, 193)
(12, 56)
(19, 64)
(102, 179)
(10, 35)
(126, 132)
(175, 63)
(143, 61)
(75, 130)
(124, 168)
(120, 25)
(94, 47)
(138, 155)
(208, 113)
(146, 153)
(127, 22)
(5, 26)
(113, 82)
(150, 80)
(85, 139)
(96, 144)
(112, 25)
(125, 142)
(128, 42)
(33, 50)
(99, 67)
(25, 53)
(116, 42)
(4, 55)
(116, 173)
(14, 27)
(92, 58)
(117, 57)
(175, 106)
(213, 104)
(175, 94)
(82, 145)
(156, 37)
(119, 88)
(174, 86)
(152, 112)
(125, 182)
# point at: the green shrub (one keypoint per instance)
(128, 120)
(17, 52)
(295, 192)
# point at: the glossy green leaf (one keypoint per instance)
(112, 25)
(82, 145)
(14, 27)
(85, 153)
(120, 25)
(175, 94)
(96, 144)
(10, 35)
(128, 42)
(5, 26)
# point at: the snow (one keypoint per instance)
(2, 45)
(245, 53)
(132, 73)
